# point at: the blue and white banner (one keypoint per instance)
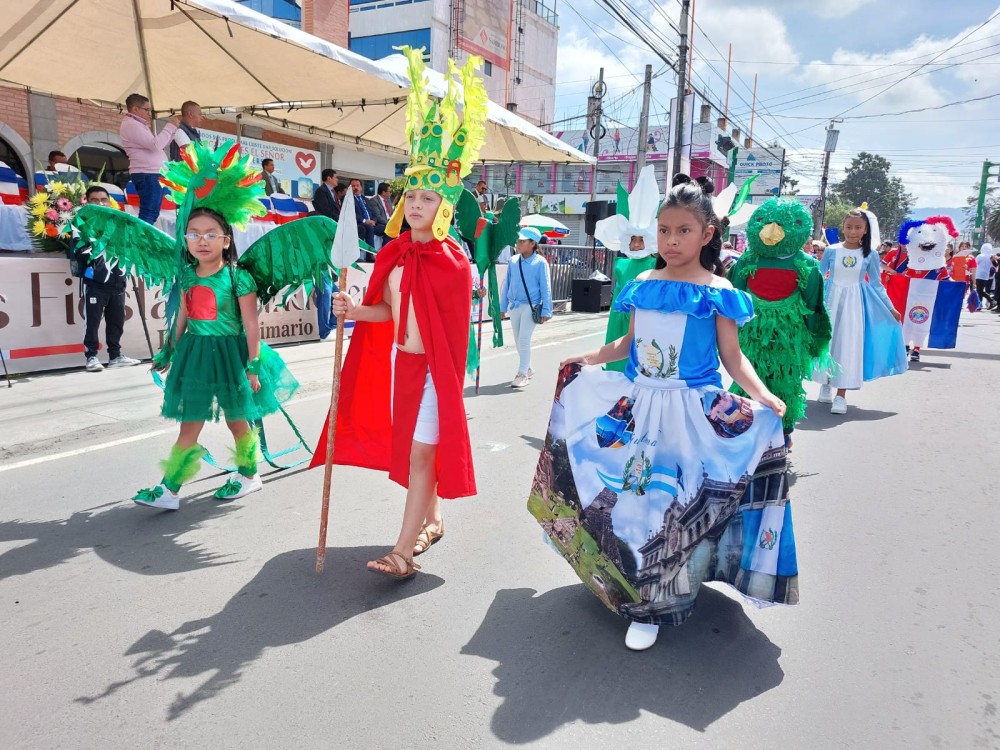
(932, 312)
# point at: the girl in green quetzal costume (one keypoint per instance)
(631, 232)
(790, 330)
(218, 365)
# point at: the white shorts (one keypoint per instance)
(427, 429)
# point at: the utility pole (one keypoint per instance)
(977, 233)
(831, 145)
(594, 115)
(682, 55)
(640, 153)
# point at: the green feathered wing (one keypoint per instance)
(501, 234)
(130, 244)
(290, 255)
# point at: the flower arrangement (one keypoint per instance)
(50, 214)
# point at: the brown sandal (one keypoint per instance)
(427, 539)
(407, 570)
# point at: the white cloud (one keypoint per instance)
(830, 8)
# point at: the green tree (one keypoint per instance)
(867, 180)
(836, 210)
(789, 186)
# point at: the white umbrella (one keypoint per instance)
(225, 56)
(545, 224)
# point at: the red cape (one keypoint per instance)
(438, 278)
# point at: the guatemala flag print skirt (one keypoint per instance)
(651, 488)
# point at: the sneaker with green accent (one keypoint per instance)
(237, 486)
(157, 497)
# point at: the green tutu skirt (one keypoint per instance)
(207, 380)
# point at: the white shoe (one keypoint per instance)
(238, 486)
(122, 361)
(641, 636)
(826, 394)
(93, 365)
(839, 405)
(520, 380)
(157, 497)
(531, 373)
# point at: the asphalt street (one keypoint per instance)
(208, 627)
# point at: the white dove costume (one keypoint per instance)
(636, 217)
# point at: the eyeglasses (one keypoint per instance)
(99, 201)
(210, 237)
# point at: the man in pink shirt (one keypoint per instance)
(145, 153)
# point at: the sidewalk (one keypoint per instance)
(52, 411)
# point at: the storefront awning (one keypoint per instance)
(227, 58)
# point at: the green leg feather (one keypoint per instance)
(245, 453)
(181, 466)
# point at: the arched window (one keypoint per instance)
(95, 157)
(11, 158)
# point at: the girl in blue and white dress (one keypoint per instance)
(867, 341)
(654, 481)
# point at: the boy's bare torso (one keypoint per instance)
(412, 343)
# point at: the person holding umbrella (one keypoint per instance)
(526, 298)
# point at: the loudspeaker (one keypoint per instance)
(596, 210)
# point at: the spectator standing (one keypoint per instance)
(526, 297)
(483, 197)
(984, 272)
(380, 208)
(324, 199)
(366, 224)
(187, 131)
(271, 184)
(103, 297)
(145, 153)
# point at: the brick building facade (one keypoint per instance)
(33, 124)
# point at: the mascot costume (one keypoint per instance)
(920, 288)
(631, 232)
(790, 331)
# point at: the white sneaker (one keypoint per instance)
(93, 365)
(839, 405)
(826, 394)
(531, 373)
(520, 380)
(641, 636)
(122, 361)
(157, 497)
(238, 486)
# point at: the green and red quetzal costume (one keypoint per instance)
(790, 329)
(209, 361)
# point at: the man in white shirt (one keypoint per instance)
(984, 270)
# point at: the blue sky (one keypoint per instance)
(816, 59)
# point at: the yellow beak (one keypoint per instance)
(772, 234)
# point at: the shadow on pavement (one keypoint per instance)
(497, 389)
(819, 418)
(536, 443)
(285, 603)
(139, 540)
(562, 658)
(958, 355)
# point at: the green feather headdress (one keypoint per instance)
(221, 180)
(444, 144)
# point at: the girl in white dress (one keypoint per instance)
(867, 338)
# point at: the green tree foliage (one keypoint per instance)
(836, 210)
(991, 206)
(867, 180)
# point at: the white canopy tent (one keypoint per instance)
(231, 60)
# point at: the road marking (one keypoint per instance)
(88, 449)
(157, 433)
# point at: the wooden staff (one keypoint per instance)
(331, 431)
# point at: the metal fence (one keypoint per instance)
(569, 262)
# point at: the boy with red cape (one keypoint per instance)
(400, 407)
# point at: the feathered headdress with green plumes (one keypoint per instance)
(443, 143)
(217, 179)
